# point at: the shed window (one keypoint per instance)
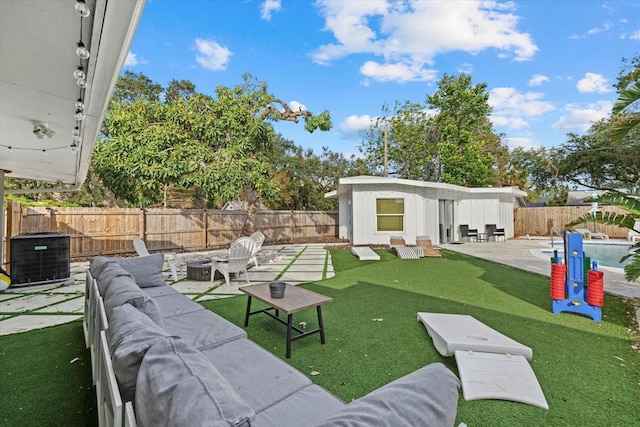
(390, 214)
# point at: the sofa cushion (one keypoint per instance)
(159, 291)
(147, 270)
(176, 304)
(296, 410)
(202, 329)
(260, 378)
(177, 386)
(428, 397)
(123, 290)
(98, 264)
(108, 271)
(130, 334)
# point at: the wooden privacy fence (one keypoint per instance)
(101, 231)
(539, 221)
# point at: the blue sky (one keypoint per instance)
(549, 65)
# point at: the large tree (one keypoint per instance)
(448, 139)
(154, 139)
(467, 146)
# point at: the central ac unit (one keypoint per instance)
(39, 258)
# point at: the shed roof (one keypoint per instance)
(346, 183)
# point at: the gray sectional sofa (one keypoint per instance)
(160, 359)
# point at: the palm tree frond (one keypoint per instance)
(632, 271)
(627, 202)
(609, 218)
(626, 98)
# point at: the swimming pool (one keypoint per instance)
(605, 254)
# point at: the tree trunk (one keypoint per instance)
(253, 202)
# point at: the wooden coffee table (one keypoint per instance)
(295, 299)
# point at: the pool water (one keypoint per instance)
(604, 254)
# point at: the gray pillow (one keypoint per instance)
(178, 386)
(130, 334)
(98, 264)
(110, 271)
(123, 290)
(147, 270)
(426, 397)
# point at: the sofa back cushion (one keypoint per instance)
(147, 270)
(123, 290)
(130, 334)
(98, 264)
(177, 385)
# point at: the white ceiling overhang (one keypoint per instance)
(38, 39)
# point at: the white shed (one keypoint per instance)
(371, 209)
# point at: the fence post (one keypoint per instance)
(291, 226)
(205, 229)
(142, 225)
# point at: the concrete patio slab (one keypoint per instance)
(26, 323)
(73, 305)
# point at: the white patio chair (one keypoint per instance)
(258, 239)
(172, 259)
(240, 253)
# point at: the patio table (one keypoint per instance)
(295, 299)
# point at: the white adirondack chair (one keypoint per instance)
(258, 239)
(240, 253)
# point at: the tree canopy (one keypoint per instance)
(154, 138)
(448, 139)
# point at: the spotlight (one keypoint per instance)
(41, 131)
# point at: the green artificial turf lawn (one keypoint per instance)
(588, 371)
(45, 378)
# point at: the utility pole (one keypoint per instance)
(384, 132)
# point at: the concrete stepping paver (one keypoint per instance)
(19, 307)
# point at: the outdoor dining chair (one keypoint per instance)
(494, 231)
(240, 254)
(468, 233)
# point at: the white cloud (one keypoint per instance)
(522, 141)
(538, 79)
(411, 36)
(511, 109)
(592, 82)
(268, 7)
(581, 118)
(132, 60)
(212, 55)
(297, 106)
(635, 35)
(596, 30)
(396, 72)
(352, 125)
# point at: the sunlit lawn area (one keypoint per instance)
(589, 371)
